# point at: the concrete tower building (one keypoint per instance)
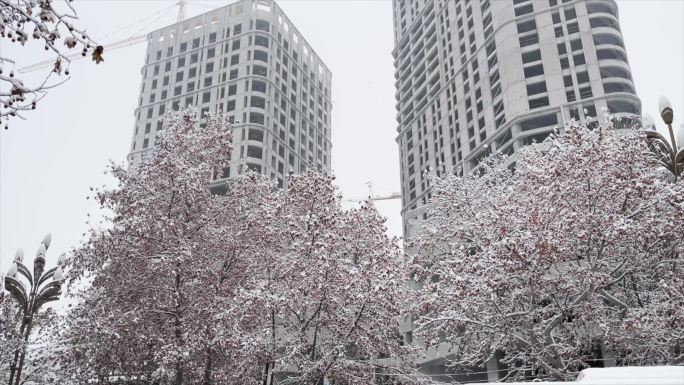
(477, 77)
(247, 60)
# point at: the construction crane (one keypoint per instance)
(181, 4)
(372, 197)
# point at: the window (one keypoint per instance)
(165, 81)
(261, 41)
(233, 74)
(536, 88)
(183, 47)
(558, 31)
(525, 9)
(181, 62)
(598, 22)
(211, 52)
(579, 59)
(230, 105)
(582, 77)
(585, 92)
(262, 25)
(195, 42)
(235, 59)
(256, 135)
(615, 72)
(176, 90)
(260, 55)
(232, 90)
(564, 63)
(259, 70)
(179, 76)
(541, 102)
(209, 68)
(607, 39)
(567, 80)
(236, 44)
(254, 167)
(167, 66)
(527, 26)
(192, 72)
(589, 110)
(146, 142)
(193, 58)
(254, 152)
(206, 97)
(610, 88)
(529, 40)
(534, 70)
(256, 117)
(561, 48)
(212, 37)
(529, 57)
(259, 86)
(570, 14)
(576, 45)
(148, 127)
(207, 81)
(237, 29)
(602, 54)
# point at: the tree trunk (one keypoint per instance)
(208, 367)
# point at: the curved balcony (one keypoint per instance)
(620, 71)
(616, 64)
(602, 8)
(609, 38)
(604, 20)
(611, 52)
(618, 86)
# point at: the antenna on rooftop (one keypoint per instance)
(181, 10)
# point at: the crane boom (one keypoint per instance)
(376, 198)
(109, 47)
(77, 56)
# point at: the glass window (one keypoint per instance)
(536, 88)
(534, 70)
(256, 117)
(532, 56)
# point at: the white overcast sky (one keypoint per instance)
(49, 161)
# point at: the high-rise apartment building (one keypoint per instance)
(479, 77)
(249, 61)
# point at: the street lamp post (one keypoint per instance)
(43, 287)
(668, 153)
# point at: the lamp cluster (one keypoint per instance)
(43, 286)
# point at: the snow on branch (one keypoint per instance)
(53, 25)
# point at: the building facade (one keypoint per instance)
(480, 77)
(248, 61)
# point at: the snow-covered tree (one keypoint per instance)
(40, 354)
(155, 271)
(580, 248)
(334, 291)
(52, 23)
(186, 287)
